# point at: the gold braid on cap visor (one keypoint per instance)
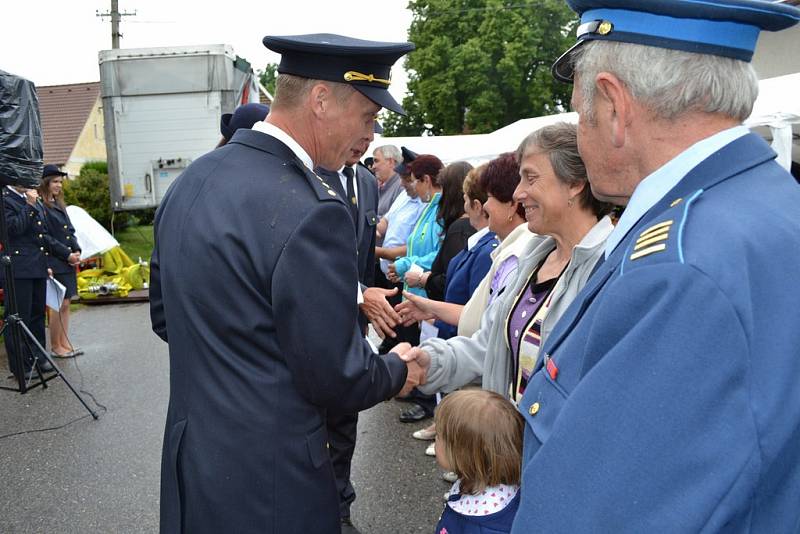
(353, 76)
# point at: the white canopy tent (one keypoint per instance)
(776, 116)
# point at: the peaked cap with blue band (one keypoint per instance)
(366, 65)
(727, 28)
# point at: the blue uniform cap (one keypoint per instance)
(52, 170)
(245, 116)
(727, 28)
(366, 65)
(408, 156)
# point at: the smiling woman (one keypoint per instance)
(554, 191)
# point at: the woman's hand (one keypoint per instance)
(416, 278)
(391, 274)
(414, 309)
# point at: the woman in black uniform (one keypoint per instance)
(61, 229)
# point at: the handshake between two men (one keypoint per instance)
(384, 318)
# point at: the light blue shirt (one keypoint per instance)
(655, 186)
(402, 217)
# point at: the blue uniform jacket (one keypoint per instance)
(253, 285)
(464, 272)
(668, 397)
(29, 243)
(60, 227)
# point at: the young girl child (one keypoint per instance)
(479, 437)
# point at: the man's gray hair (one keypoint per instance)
(390, 152)
(669, 82)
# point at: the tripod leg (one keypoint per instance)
(47, 357)
(35, 365)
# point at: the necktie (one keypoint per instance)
(352, 202)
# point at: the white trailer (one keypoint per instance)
(162, 108)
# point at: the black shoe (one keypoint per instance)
(414, 413)
(348, 528)
(46, 367)
(31, 374)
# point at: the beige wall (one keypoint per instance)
(91, 145)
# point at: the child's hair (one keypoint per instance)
(482, 436)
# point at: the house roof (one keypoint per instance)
(64, 110)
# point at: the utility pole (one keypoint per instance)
(115, 20)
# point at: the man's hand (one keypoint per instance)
(414, 309)
(416, 377)
(30, 196)
(74, 258)
(379, 312)
(418, 362)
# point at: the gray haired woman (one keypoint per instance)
(572, 227)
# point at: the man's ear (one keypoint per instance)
(615, 102)
(319, 98)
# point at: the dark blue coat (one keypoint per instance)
(464, 273)
(60, 228)
(675, 406)
(253, 284)
(29, 243)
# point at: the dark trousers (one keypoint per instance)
(342, 429)
(30, 297)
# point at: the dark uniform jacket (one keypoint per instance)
(60, 227)
(667, 398)
(29, 243)
(253, 284)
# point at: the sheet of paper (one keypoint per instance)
(55, 294)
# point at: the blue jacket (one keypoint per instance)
(423, 243)
(253, 284)
(668, 397)
(464, 272)
(29, 243)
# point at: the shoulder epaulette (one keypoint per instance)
(662, 239)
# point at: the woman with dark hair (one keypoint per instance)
(51, 191)
(425, 240)
(457, 230)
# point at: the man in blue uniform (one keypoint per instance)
(254, 285)
(667, 398)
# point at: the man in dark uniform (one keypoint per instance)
(254, 284)
(29, 244)
(667, 398)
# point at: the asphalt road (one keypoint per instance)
(103, 476)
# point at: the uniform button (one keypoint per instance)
(524, 313)
(69, 237)
(65, 226)
(46, 253)
(532, 300)
(39, 222)
(40, 236)
(16, 252)
(516, 333)
(41, 248)
(534, 409)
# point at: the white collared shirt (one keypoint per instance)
(343, 179)
(655, 186)
(477, 236)
(15, 191)
(286, 139)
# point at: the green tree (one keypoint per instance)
(480, 65)
(90, 191)
(267, 77)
